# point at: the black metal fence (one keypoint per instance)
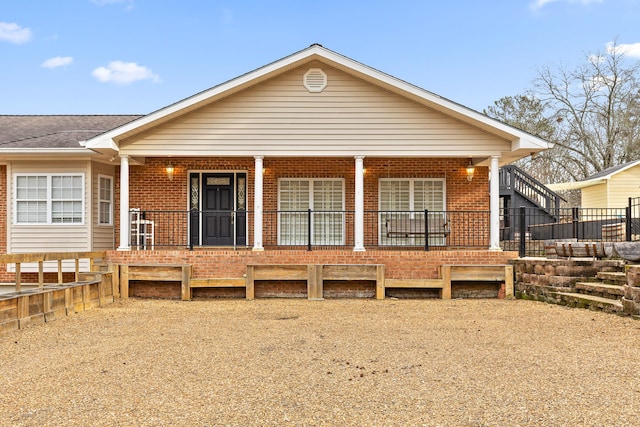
(521, 229)
(526, 229)
(310, 229)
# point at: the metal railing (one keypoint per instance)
(529, 228)
(513, 178)
(311, 229)
(522, 229)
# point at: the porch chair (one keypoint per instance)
(142, 230)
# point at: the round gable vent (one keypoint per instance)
(315, 80)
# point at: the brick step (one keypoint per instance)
(613, 277)
(599, 289)
(591, 302)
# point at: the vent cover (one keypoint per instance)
(315, 80)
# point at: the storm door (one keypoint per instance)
(221, 200)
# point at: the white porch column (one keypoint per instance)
(494, 204)
(124, 204)
(257, 205)
(359, 205)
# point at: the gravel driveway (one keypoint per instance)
(295, 362)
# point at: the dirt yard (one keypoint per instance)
(280, 362)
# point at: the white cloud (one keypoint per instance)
(14, 33)
(631, 50)
(128, 3)
(58, 61)
(123, 73)
(539, 4)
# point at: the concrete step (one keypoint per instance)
(591, 302)
(599, 289)
(613, 277)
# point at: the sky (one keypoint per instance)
(137, 56)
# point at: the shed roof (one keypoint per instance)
(595, 179)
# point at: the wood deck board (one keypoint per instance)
(279, 272)
(350, 272)
(218, 283)
(156, 272)
(414, 283)
(489, 273)
(478, 273)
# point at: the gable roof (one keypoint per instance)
(39, 133)
(595, 179)
(522, 143)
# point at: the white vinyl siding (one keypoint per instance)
(623, 185)
(105, 200)
(102, 235)
(49, 199)
(408, 198)
(325, 198)
(50, 236)
(279, 117)
(594, 196)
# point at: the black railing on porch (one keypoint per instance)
(311, 229)
(527, 232)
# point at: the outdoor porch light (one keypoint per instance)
(470, 171)
(170, 170)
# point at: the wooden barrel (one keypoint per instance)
(580, 249)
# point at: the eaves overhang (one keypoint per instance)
(521, 142)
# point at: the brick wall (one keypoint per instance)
(149, 289)
(230, 263)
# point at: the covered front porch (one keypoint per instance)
(280, 203)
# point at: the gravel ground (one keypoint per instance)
(336, 362)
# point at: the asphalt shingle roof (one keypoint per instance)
(57, 131)
(610, 171)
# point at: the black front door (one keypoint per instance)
(218, 209)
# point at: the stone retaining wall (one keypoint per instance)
(631, 297)
(541, 279)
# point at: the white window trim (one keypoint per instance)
(101, 200)
(411, 200)
(49, 201)
(411, 189)
(311, 181)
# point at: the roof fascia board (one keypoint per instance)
(48, 151)
(576, 185)
(629, 166)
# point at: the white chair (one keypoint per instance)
(142, 231)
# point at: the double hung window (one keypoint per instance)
(322, 200)
(105, 190)
(405, 199)
(49, 199)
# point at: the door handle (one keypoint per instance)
(233, 217)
